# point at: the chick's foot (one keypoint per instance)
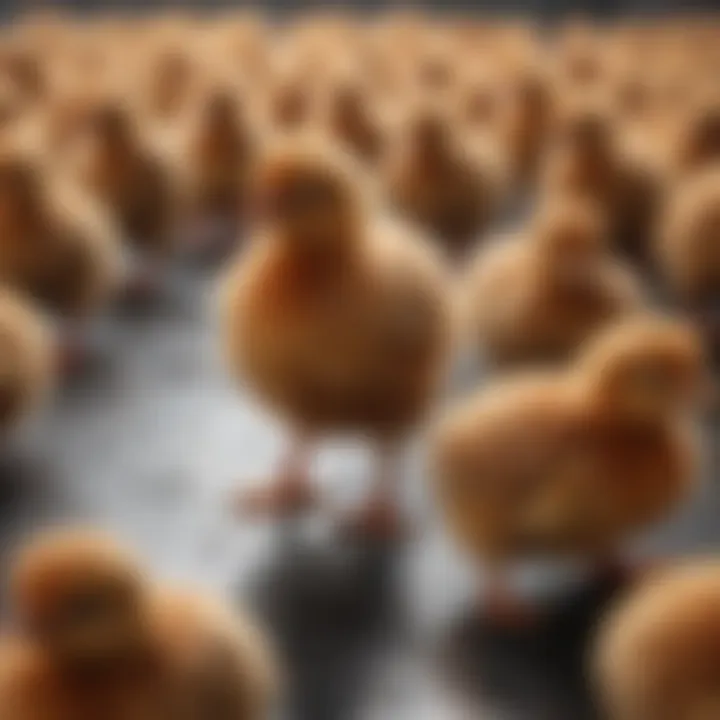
(379, 519)
(287, 496)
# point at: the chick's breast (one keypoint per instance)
(360, 348)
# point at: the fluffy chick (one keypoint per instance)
(27, 368)
(337, 320)
(573, 462)
(688, 248)
(96, 638)
(657, 656)
(589, 159)
(689, 242)
(527, 124)
(55, 245)
(351, 121)
(132, 182)
(536, 299)
(442, 183)
(698, 144)
(216, 165)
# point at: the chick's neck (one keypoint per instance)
(317, 253)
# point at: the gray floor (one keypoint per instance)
(150, 442)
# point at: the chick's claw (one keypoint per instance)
(504, 609)
(73, 357)
(380, 519)
(285, 497)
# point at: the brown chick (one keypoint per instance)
(217, 164)
(94, 638)
(442, 183)
(657, 654)
(528, 123)
(27, 367)
(688, 248)
(572, 463)
(170, 80)
(337, 320)
(698, 145)
(133, 183)
(351, 121)
(536, 299)
(588, 159)
(55, 246)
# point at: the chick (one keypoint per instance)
(133, 183)
(571, 463)
(528, 124)
(442, 183)
(55, 247)
(536, 299)
(688, 248)
(351, 121)
(338, 320)
(698, 145)
(589, 159)
(170, 79)
(657, 656)
(96, 638)
(217, 163)
(27, 372)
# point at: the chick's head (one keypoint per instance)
(221, 109)
(429, 134)
(80, 596)
(570, 237)
(309, 195)
(645, 368)
(586, 131)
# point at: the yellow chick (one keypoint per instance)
(536, 299)
(94, 637)
(27, 372)
(688, 245)
(588, 158)
(571, 463)
(56, 247)
(338, 320)
(133, 183)
(442, 183)
(216, 165)
(351, 121)
(656, 655)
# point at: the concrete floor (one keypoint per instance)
(151, 441)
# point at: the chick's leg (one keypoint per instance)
(380, 518)
(72, 351)
(289, 493)
(503, 606)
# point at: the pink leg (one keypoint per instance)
(380, 518)
(289, 493)
(503, 607)
(72, 351)
(143, 283)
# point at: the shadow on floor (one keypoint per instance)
(537, 673)
(331, 609)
